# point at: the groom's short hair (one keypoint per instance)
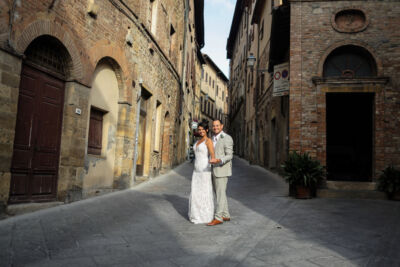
(218, 120)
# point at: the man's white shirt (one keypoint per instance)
(215, 140)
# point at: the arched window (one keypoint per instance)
(350, 62)
(48, 52)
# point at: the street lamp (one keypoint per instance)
(251, 60)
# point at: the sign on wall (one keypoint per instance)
(281, 79)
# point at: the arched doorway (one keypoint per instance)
(37, 139)
(166, 142)
(349, 115)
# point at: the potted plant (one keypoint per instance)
(303, 174)
(389, 182)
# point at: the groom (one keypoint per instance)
(222, 169)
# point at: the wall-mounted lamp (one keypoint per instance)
(251, 60)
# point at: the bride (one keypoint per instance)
(201, 200)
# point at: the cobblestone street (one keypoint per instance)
(148, 226)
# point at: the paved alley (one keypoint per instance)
(148, 226)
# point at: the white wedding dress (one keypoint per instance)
(201, 200)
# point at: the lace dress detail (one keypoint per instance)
(201, 200)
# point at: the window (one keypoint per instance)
(217, 90)
(201, 103)
(95, 131)
(349, 62)
(213, 84)
(202, 74)
(153, 16)
(261, 33)
(158, 127)
(171, 40)
(206, 77)
(262, 81)
(223, 95)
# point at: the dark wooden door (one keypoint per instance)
(349, 121)
(35, 160)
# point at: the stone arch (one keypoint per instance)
(45, 27)
(331, 48)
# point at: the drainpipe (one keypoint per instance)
(184, 43)
(184, 62)
(135, 156)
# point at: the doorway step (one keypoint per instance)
(17, 209)
(338, 189)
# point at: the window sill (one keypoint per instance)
(97, 156)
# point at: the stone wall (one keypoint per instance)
(117, 32)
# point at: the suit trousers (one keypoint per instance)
(220, 184)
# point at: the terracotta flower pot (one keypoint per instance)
(303, 192)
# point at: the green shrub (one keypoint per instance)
(389, 181)
(301, 169)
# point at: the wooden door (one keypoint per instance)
(141, 143)
(349, 123)
(35, 160)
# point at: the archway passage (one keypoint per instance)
(36, 154)
(349, 118)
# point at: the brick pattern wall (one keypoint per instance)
(312, 37)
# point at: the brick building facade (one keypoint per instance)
(344, 87)
(81, 81)
(343, 104)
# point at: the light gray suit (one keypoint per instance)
(223, 151)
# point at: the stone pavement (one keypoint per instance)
(148, 226)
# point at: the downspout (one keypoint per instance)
(246, 85)
(184, 43)
(135, 156)
(184, 62)
(258, 88)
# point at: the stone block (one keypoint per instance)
(5, 181)
(10, 79)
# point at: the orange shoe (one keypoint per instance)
(214, 222)
(226, 219)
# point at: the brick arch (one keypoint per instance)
(118, 73)
(331, 48)
(116, 57)
(45, 27)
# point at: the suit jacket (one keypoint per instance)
(223, 151)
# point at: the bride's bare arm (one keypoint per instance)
(210, 147)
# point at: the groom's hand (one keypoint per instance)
(215, 161)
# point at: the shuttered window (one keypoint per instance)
(95, 131)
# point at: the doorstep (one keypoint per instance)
(17, 209)
(350, 190)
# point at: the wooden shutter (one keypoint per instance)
(95, 132)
